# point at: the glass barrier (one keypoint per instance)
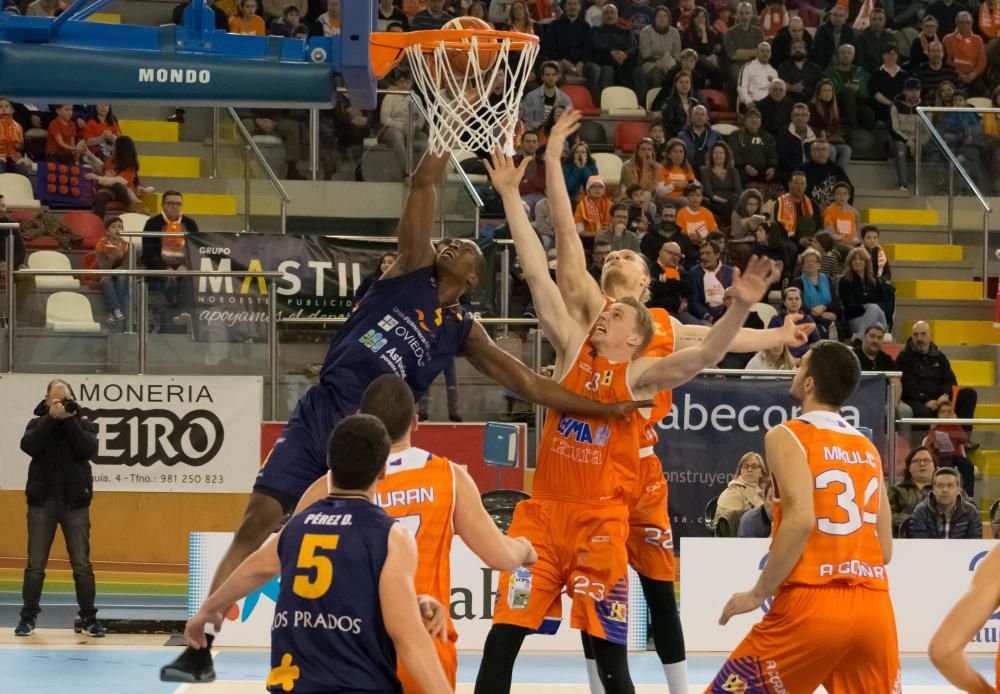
(936, 174)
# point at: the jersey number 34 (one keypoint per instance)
(857, 513)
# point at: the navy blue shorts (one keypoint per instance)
(298, 457)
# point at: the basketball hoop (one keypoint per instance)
(471, 81)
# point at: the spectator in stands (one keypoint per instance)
(532, 187)
(791, 306)
(757, 521)
(756, 76)
(741, 42)
(776, 358)
(826, 122)
(248, 23)
(289, 24)
(62, 144)
(841, 219)
(615, 51)
(905, 130)
(578, 169)
(698, 137)
(499, 11)
(964, 134)
(799, 74)
(775, 108)
(934, 71)
(597, 258)
(618, 234)
(747, 214)
(641, 210)
(595, 13)
(743, 492)
(279, 123)
(722, 183)
(112, 252)
(770, 240)
(988, 20)
(822, 178)
(991, 141)
(678, 172)
(435, 16)
(539, 103)
(773, 18)
(967, 55)
(637, 16)
(388, 12)
(873, 358)
(168, 253)
(920, 47)
(796, 140)
(851, 84)
(693, 219)
(384, 263)
(568, 42)
(519, 19)
(928, 379)
(831, 262)
(781, 47)
(918, 472)
(45, 8)
(659, 47)
(398, 118)
(860, 293)
(118, 180)
(667, 230)
(703, 39)
(948, 442)
(880, 264)
(670, 288)
(593, 212)
(659, 138)
(221, 18)
(101, 131)
(818, 297)
(872, 42)
(946, 12)
(946, 513)
(833, 34)
(710, 279)
(886, 83)
(644, 171)
(677, 107)
(754, 151)
(689, 63)
(12, 157)
(798, 214)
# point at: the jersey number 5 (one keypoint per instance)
(857, 514)
(306, 586)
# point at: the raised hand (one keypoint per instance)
(796, 335)
(503, 173)
(567, 124)
(755, 281)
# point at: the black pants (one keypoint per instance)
(965, 408)
(42, 522)
(118, 191)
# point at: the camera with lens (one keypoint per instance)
(71, 406)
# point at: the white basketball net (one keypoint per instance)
(463, 113)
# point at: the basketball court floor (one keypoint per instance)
(58, 661)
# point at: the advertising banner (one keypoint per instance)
(715, 420)
(154, 433)
(926, 577)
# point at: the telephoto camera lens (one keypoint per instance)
(71, 406)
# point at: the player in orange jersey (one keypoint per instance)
(577, 518)
(435, 499)
(831, 620)
(966, 619)
(626, 274)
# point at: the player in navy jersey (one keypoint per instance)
(409, 324)
(347, 604)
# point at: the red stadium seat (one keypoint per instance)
(582, 101)
(90, 263)
(892, 350)
(628, 133)
(718, 105)
(87, 225)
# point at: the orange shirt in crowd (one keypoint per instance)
(771, 21)
(967, 54)
(105, 247)
(65, 128)
(592, 215)
(172, 248)
(248, 27)
(843, 222)
(696, 223)
(989, 21)
(128, 174)
(11, 139)
(96, 129)
(678, 177)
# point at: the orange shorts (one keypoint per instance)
(840, 636)
(581, 548)
(650, 538)
(447, 654)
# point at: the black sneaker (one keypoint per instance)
(193, 665)
(92, 628)
(25, 627)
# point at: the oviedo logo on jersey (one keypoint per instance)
(988, 634)
(406, 337)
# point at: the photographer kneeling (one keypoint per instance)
(59, 489)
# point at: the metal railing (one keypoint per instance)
(955, 165)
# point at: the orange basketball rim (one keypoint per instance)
(387, 48)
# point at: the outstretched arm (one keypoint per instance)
(415, 226)
(553, 316)
(481, 534)
(748, 339)
(582, 294)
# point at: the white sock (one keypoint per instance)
(596, 686)
(677, 677)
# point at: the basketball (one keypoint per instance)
(459, 59)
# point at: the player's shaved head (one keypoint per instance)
(391, 400)
(357, 452)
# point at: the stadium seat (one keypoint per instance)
(87, 225)
(765, 312)
(502, 517)
(52, 260)
(724, 129)
(708, 517)
(503, 498)
(718, 105)
(609, 168)
(979, 102)
(133, 221)
(464, 155)
(17, 192)
(904, 528)
(596, 137)
(621, 101)
(69, 312)
(628, 133)
(651, 97)
(582, 101)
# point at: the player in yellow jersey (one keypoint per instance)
(626, 274)
(966, 619)
(831, 620)
(435, 499)
(577, 518)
